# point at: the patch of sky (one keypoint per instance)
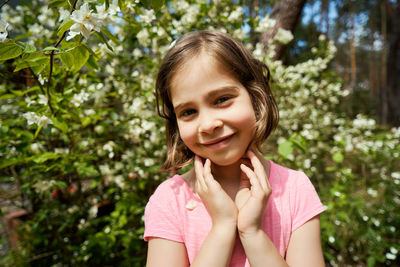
(312, 13)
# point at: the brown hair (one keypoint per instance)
(235, 58)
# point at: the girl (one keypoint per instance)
(234, 207)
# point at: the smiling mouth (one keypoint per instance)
(218, 142)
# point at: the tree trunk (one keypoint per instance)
(353, 63)
(393, 71)
(383, 100)
(287, 14)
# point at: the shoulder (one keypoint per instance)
(281, 176)
(172, 188)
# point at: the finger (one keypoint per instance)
(198, 167)
(254, 181)
(259, 170)
(207, 172)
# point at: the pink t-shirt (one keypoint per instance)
(174, 212)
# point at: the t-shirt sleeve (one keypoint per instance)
(304, 200)
(161, 216)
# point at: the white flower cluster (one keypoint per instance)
(265, 24)
(86, 21)
(33, 118)
(3, 30)
(109, 147)
(236, 14)
(190, 15)
(283, 36)
(78, 99)
(43, 186)
(148, 16)
(392, 255)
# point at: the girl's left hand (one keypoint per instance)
(253, 195)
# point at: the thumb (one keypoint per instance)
(244, 181)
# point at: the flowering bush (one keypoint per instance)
(81, 140)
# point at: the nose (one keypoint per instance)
(209, 124)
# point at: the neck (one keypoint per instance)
(228, 177)
(226, 173)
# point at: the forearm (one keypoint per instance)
(260, 250)
(217, 247)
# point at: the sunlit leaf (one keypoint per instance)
(10, 50)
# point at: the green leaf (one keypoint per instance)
(157, 4)
(10, 162)
(51, 48)
(104, 40)
(338, 157)
(6, 96)
(38, 130)
(60, 184)
(10, 50)
(36, 63)
(371, 261)
(285, 148)
(60, 124)
(86, 170)
(58, 3)
(91, 51)
(109, 35)
(80, 55)
(85, 121)
(45, 157)
(65, 25)
(92, 63)
(29, 48)
(67, 59)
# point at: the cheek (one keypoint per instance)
(187, 133)
(244, 118)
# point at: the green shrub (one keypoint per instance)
(81, 140)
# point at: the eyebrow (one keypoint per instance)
(211, 94)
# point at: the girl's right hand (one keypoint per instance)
(219, 205)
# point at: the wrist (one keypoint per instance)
(251, 233)
(226, 228)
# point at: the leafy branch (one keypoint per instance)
(5, 2)
(52, 59)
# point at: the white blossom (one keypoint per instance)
(33, 118)
(190, 15)
(322, 38)
(283, 36)
(85, 22)
(390, 256)
(29, 101)
(93, 211)
(148, 16)
(236, 14)
(42, 99)
(43, 186)
(265, 24)
(143, 37)
(3, 30)
(78, 99)
(63, 14)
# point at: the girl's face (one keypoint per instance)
(215, 116)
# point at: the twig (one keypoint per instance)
(37, 81)
(64, 83)
(43, 255)
(5, 2)
(51, 63)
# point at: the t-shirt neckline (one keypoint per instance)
(195, 196)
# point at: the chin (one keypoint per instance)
(226, 160)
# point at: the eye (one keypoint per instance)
(187, 113)
(222, 99)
